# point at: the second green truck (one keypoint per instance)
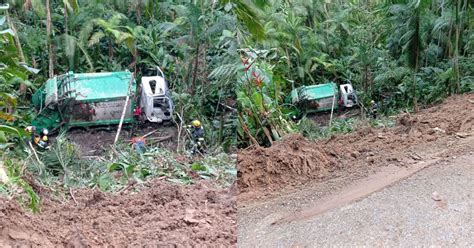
(322, 97)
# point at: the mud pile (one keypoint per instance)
(286, 162)
(296, 160)
(162, 215)
(94, 141)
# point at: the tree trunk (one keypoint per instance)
(111, 50)
(415, 102)
(456, 49)
(66, 31)
(50, 44)
(17, 39)
(135, 59)
(23, 86)
(195, 70)
(65, 18)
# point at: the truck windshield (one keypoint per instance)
(160, 103)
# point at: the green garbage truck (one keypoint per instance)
(322, 97)
(94, 99)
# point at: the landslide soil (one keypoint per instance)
(161, 214)
(95, 141)
(287, 165)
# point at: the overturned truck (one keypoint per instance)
(95, 99)
(322, 97)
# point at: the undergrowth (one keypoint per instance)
(13, 184)
(62, 168)
(311, 130)
(120, 165)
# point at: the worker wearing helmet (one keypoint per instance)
(374, 107)
(197, 130)
(44, 142)
(197, 135)
(40, 140)
(44, 132)
(32, 130)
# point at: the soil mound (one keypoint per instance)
(295, 160)
(289, 161)
(162, 215)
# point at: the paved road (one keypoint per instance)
(405, 214)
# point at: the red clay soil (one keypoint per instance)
(163, 214)
(95, 140)
(295, 160)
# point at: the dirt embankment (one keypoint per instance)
(295, 160)
(164, 214)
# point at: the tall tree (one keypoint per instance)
(49, 26)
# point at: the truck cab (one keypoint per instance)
(348, 95)
(156, 102)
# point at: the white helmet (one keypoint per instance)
(44, 131)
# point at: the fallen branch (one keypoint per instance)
(133, 183)
(150, 133)
(228, 107)
(332, 109)
(246, 130)
(72, 195)
(180, 129)
(34, 152)
(159, 139)
(124, 108)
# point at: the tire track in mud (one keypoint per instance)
(410, 212)
(358, 191)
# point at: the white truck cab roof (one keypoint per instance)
(154, 86)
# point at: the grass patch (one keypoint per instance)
(313, 131)
(121, 164)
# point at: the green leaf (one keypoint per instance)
(246, 15)
(13, 130)
(198, 167)
(228, 7)
(144, 172)
(258, 101)
(300, 72)
(227, 33)
(116, 166)
(3, 138)
(130, 169)
(39, 8)
(96, 37)
(243, 100)
(261, 3)
(105, 182)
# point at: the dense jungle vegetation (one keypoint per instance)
(402, 54)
